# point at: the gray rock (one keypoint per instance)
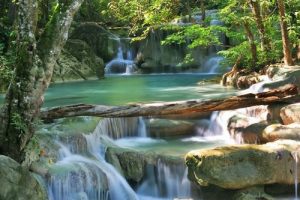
(169, 128)
(17, 183)
(132, 163)
(278, 131)
(290, 113)
(103, 43)
(78, 61)
(254, 193)
(242, 166)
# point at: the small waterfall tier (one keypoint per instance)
(117, 128)
(123, 63)
(165, 180)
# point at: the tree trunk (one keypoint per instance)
(189, 10)
(255, 7)
(252, 43)
(286, 94)
(33, 72)
(284, 34)
(202, 6)
(298, 52)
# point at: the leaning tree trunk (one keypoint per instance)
(255, 7)
(252, 43)
(33, 72)
(298, 52)
(284, 33)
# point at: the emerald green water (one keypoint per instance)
(118, 90)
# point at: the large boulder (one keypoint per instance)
(169, 128)
(246, 81)
(278, 131)
(132, 163)
(77, 60)
(152, 56)
(17, 183)
(242, 166)
(290, 113)
(245, 129)
(103, 43)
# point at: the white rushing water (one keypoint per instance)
(295, 154)
(80, 177)
(212, 65)
(117, 128)
(85, 177)
(165, 181)
(121, 64)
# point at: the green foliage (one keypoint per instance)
(196, 35)
(239, 51)
(32, 151)
(6, 68)
(19, 123)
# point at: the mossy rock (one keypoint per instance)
(103, 43)
(78, 61)
(242, 166)
(17, 183)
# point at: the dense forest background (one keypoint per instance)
(256, 31)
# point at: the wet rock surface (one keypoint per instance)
(169, 128)
(278, 131)
(290, 113)
(132, 163)
(17, 183)
(78, 61)
(242, 166)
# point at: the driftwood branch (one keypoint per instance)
(286, 94)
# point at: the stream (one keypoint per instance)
(84, 164)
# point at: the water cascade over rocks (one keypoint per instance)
(150, 56)
(86, 175)
(167, 181)
(123, 63)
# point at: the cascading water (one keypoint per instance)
(80, 177)
(121, 64)
(295, 155)
(167, 181)
(212, 64)
(258, 87)
(117, 128)
(76, 176)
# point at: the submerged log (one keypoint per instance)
(286, 94)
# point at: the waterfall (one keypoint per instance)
(117, 128)
(120, 64)
(212, 64)
(218, 123)
(89, 178)
(295, 155)
(166, 181)
(258, 87)
(142, 130)
(92, 178)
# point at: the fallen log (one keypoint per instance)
(286, 94)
